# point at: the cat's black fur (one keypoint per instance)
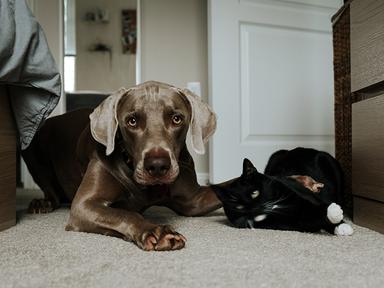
(282, 202)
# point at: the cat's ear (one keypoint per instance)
(248, 168)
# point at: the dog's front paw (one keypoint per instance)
(343, 229)
(334, 213)
(161, 238)
(40, 206)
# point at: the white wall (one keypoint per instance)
(52, 24)
(174, 47)
(96, 70)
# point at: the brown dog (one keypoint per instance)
(125, 156)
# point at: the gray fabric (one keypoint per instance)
(27, 68)
(37, 252)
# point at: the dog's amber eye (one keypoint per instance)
(132, 121)
(177, 119)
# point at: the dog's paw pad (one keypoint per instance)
(40, 206)
(161, 238)
(343, 229)
(334, 213)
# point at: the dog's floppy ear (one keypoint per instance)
(104, 120)
(203, 121)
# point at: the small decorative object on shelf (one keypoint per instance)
(97, 16)
(129, 31)
(103, 48)
(100, 47)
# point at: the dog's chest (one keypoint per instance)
(158, 193)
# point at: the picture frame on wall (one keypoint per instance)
(129, 31)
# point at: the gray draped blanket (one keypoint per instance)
(27, 68)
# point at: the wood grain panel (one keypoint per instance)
(368, 213)
(7, 163)
(368, 148)
(343, 111)
(367, 43)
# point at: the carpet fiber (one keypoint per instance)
(37, 252)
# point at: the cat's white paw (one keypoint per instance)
(334, 213)
(343, 229)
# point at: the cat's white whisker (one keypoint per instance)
(272, 204)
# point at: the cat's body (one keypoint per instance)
(299, 191)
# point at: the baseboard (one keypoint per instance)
(202, 178)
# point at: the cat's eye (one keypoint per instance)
(255, 194)
(132, 121)
(177, 119)
(239, 207)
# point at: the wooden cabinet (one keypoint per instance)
(368, 148)
(367, 86)
(359, 107)
(367, 43)
(7, 163)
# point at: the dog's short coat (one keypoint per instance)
(125, 156)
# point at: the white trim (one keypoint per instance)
(138, 42)
(26, 178)
(62, 103)
(202, 178)
(61, 107)
(209, 84)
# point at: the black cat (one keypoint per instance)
(299, 191)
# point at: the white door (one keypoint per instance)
(271, 79)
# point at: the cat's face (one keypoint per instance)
(245, 200)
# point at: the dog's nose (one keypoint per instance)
(157, 163)
(157, 167)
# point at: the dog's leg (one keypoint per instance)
(43, 174)
(91, 212)
(188, 198)
(197, 202)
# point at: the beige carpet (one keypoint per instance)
(37, 252)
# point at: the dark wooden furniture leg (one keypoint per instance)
(7, 163)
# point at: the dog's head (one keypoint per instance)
(153, 119)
